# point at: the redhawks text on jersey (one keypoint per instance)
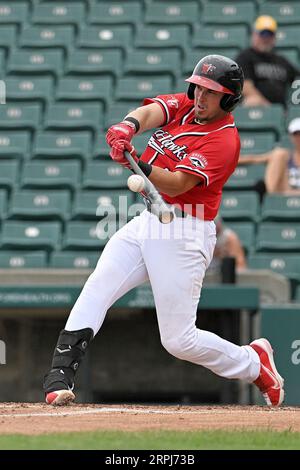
(210, 151)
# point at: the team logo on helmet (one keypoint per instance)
(208, 68)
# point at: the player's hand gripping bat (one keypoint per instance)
(157, 204)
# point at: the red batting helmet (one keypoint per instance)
(218, 73)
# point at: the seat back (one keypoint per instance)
(30, 235)
(275, 236)
(240, 205)
(278, 207)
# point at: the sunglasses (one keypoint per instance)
(266, 34)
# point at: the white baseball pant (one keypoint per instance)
(174, 259)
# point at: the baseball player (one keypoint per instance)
(189, 158)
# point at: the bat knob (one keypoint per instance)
(166, 217)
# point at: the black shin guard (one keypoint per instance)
(69, 351)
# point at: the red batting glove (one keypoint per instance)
(117, 152)
(120, 131)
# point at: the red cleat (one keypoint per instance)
(269, 382)
(60, 397)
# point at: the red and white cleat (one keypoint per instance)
(269, 382)
(60, 397)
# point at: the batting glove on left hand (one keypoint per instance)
(117, 152)
(121, 131)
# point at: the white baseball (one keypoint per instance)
(136, 183)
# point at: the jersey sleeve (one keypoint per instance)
(170, 104)
(208, 161)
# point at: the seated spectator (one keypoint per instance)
(228, 246)
(268, 75)
(283, 165)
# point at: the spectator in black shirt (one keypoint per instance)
(268, 75)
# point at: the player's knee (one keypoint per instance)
(180, 346)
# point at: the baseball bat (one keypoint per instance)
(158, 205)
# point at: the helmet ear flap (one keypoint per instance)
(229, 102)
(191, 91)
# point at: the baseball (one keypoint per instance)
(136, 183)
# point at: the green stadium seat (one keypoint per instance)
(284, 12)
(291, 55)
(297, 295)
(102, 175)
(29, 88)
(8, 36)
(51, 175)
(287, 36)
(281, 208)
(36, 62)
(9, 174)
(108, 36)
(13, 12)
(2, 63)
(47, 37)
(66, 145)
(172, 13)
(108, 61)
(20, 116)
(153, 62)
(74, 116)
(21, 259)
(260, 118)
(251, 142)
(84, 235)
(30, 235)
(116, 13)
(286, 264)
(246, 177)
(138, 88)
(278, 236)
(95, 204)
(245, 232)
(42, 204)
(228, 13)
(193, 56)
(87, 89)
(101, 149)
(285, 142)
(163, 36)
(14, 144)
(180, 85)
(73, 259)
(117, 111)
(293, 111)
(64, 13)
(3, 203)
(220, 36)
(240, 206)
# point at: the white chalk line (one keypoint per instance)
(119, 410)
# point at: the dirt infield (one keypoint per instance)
(40, 418)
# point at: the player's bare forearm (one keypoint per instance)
(172, 183)
(254, 159)
(252, 96)
(149, 116)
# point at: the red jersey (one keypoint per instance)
(210, 151)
